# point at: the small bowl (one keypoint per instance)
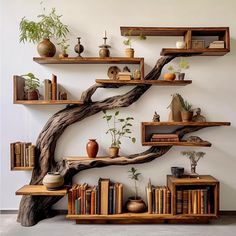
(178, 172)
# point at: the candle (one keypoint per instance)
(105, 33)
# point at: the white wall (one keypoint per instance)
(213, 87)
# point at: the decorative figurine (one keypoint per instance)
(104, 51)
(112, 72)
(156, 117)
(79, 48)
(198, 117)
(137, 74)
(126, 69)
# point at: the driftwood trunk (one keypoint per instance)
(35, 208)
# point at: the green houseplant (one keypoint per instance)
(47, 26)
(63, 46)
(135, 204)
(182, 65)
(194, 157)
(118, 128)
(31, 86)
(187, 112)
(129, 51)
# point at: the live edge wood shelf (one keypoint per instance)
(148, 128)
(188, 33)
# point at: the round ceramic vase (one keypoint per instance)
(53, 180)
(92, 148)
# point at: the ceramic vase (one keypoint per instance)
(79, 48)
(46, 48)
(92, 148)
(113, 151)
(135, 205)
(53, 180)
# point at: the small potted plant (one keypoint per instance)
(187, 112)
(64, 46)
(171, 75)
(129, 52)
(135, 204)
(182, 65)
(31, 86)
(49, 25)
(194, 157)
(118, 129)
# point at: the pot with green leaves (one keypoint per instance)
(63, 46)
(118, 128)
(49, 25)
(182, 65)
(31, 86)
(187, 112)
(135, 204)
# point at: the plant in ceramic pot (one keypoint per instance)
(187, 112)
(170, 76)
(135, 204)
(129, 51)
(182, 65)
(31, 86)
(194, 157)
(48, 26)
(118, 128)
(63, 46)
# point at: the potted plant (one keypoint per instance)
(64, 46)
(40, 32)
(194, 157)
(129, 52)
(118, 129)
(187, 112)
(171, 75)
(31, 86)
(182, 65)
(135, 204)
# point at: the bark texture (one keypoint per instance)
(35, 208)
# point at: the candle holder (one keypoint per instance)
(104, 51)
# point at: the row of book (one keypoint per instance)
(22, 154)
(196, 201)
(158, 199)
(103, 199)
(164, 138)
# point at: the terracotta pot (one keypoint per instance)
(169, 76)
(186, 116)
(92, 148)
(53, 180)
(135, 206)
(63, 55)
(113, 151)
(129, 52)
(46, 48)
(32, 95)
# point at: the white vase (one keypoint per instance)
(180, 44)
(53, 180)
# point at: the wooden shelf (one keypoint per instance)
(144, 82)
(200, 52)
(181, 143)
(26, 168)
(133, 218)
(87, 60)
(203, 124)
(40, 190)
(45, 102)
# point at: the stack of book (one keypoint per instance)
(22, 154)
(103, 199)
(196, 201)
(50, 88)
(124, 76)
(165, 138)
(217, 44)
(158, 199)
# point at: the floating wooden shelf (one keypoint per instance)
(40, 190)
(26, 168)
(45, 102)
(167, 123)
(137, 218)
(188, 33)
(144, 82)
(181, 143)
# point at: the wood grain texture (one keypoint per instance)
(48, 102)
(25, 168)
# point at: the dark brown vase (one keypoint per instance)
(186, 116)
(46, 48)
(135, 205)
(79, 48)
(32, 95)
(92, 148)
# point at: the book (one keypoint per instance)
(17, 154)
(165, 136)
(70, 202)
(98, 203)
(160, 200)
(124, 77)
(93, 201)
(194, 201)
(54, 87)
(12, 154)
(199, 201)
(149, 197)
(185, 201)
(19, 88)
(164, 200)
(120, 198)
(88, 201)
(47, 89)
(104, 193)
(157, 200)
(110, 199)
(31, 155)
(168, 201)
(179, 202)
(190, 207)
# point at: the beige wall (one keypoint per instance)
(213, 88)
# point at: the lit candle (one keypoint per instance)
(105, 33)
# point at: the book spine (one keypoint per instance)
(70, 202)
(185, 201)
(157, 200)
(164, 200)
(149, 199)
(76, 206)
(168, 201)
(114, 200)
(110, 199)
(195, 206)
(22, 161)
(54, 87)
(120, 197)
(179, 201)
(32, 155)
(98, 200)
(12, 154)
(190, 206)
(79, 206)
(153, 201)
(161, 201)
(202, 201)
(93, 202)
(18, 154)
(88, 202)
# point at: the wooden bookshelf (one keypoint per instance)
(40, 190)
(144, 82)
(202, 124)
(49, 102)
(26, 168)
(188, 33)
(181, 143)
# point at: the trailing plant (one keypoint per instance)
(31, 82)
(118, 128)
(48, 26)
(129, 40)
(182, 65)
(134, 175)
(64, 45)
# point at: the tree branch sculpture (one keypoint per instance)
(35, 208)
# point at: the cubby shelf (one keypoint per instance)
(181, 143)
(26, 168)
(144, 82)
(47, 102)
